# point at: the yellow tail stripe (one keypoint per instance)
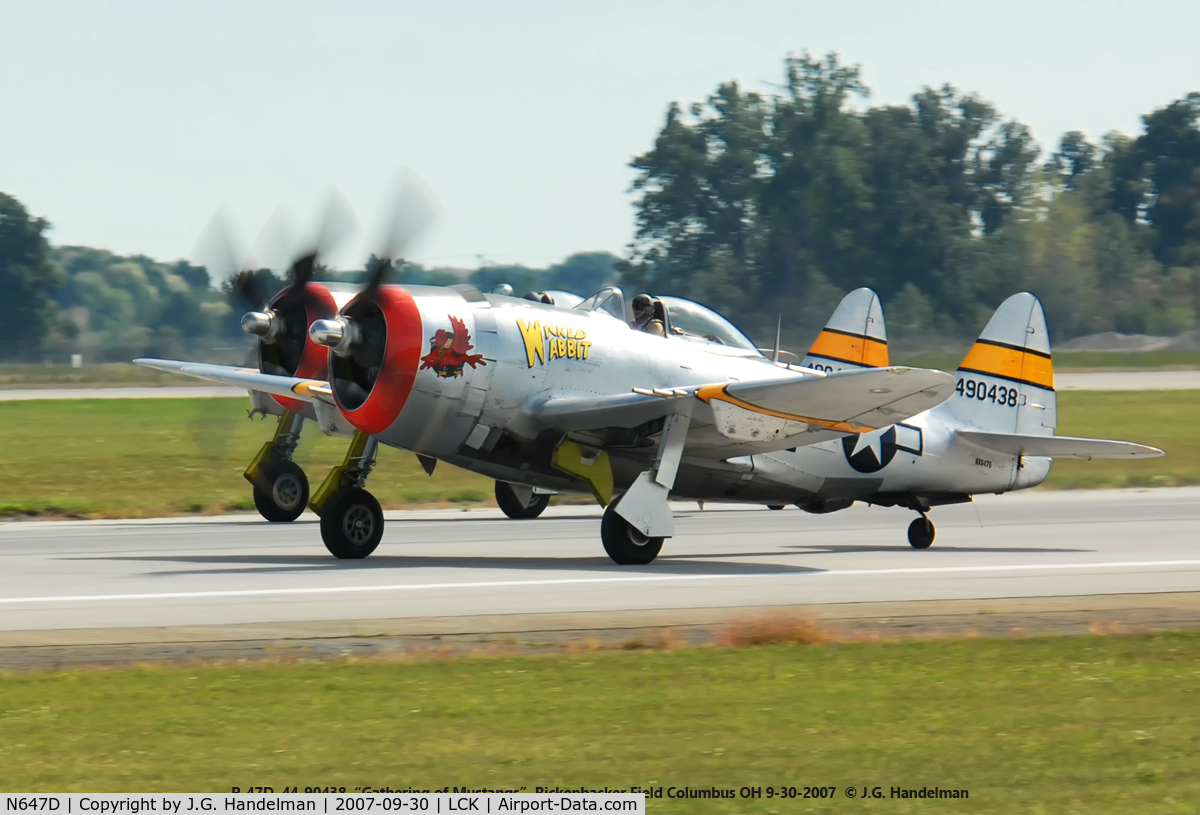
(855, 350)
(1010, 363)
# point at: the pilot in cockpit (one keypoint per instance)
(644, 319)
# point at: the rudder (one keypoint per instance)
(854, 337)
(1006, 382)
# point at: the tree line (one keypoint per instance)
(779, 203)
(75, 299)
(765, 204)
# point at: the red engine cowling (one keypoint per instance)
(291, 353)
(372, 382)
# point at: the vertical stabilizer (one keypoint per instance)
(1006, 382)
(854, 337)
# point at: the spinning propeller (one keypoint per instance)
(353, 333)
(288, 313)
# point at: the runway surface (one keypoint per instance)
(1129, 381)
(1116, 381)
(240, 570)
(197, 392)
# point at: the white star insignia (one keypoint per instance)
(873, 441)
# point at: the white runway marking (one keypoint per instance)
(570, 581)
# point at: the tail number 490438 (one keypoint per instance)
(983, 392)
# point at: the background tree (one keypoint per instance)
(27, 279)
(780, 203)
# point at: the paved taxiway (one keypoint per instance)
(221, 571)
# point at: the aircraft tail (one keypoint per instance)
(1004, 400)
(855, 336)
(1006, 382)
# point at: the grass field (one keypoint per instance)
(141, 458)
(146, 457)
(1165, 419)
(1056, 725)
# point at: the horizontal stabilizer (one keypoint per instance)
(308, 390)
(1016, 444)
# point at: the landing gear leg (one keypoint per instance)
(280, 485)
(351, 519)
(633, 529)
(921, 532)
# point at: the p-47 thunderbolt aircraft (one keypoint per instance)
(540, 397)
(547, 398)
(994, 434)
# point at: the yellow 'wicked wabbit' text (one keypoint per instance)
(550, 342)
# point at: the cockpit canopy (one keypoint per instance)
(682, 318)
(696, 322)
(609, 300)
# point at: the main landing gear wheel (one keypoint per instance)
(281, 491)
(512, 505)
(921, 533)
(351, 524)
(624, 543)
(775, 507)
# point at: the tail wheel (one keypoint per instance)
(351, 524)
(625, 543)
(921, 533)
(281, 491)
(512, 505)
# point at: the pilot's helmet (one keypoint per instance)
(643, 308)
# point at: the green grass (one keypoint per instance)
(1168, 420)
(139, 458)
(1059, 725)
(1071, 361)
(144, 457)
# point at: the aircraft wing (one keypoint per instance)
(741, 418)
(850, 401)
(308, 390)
(574, 413)
(1016, 444)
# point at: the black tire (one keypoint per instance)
(351, 524)
(281, 491)
(511, 505)
(775, 507)
(626, 545)
(921, 533)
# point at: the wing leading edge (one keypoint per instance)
(308, 390)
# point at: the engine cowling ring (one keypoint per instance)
(314, 359)
(397, 370)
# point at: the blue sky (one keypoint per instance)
(128, 124)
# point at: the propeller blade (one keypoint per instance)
(336, 224)
(412, 211)
(377, 271)
(252, 290)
